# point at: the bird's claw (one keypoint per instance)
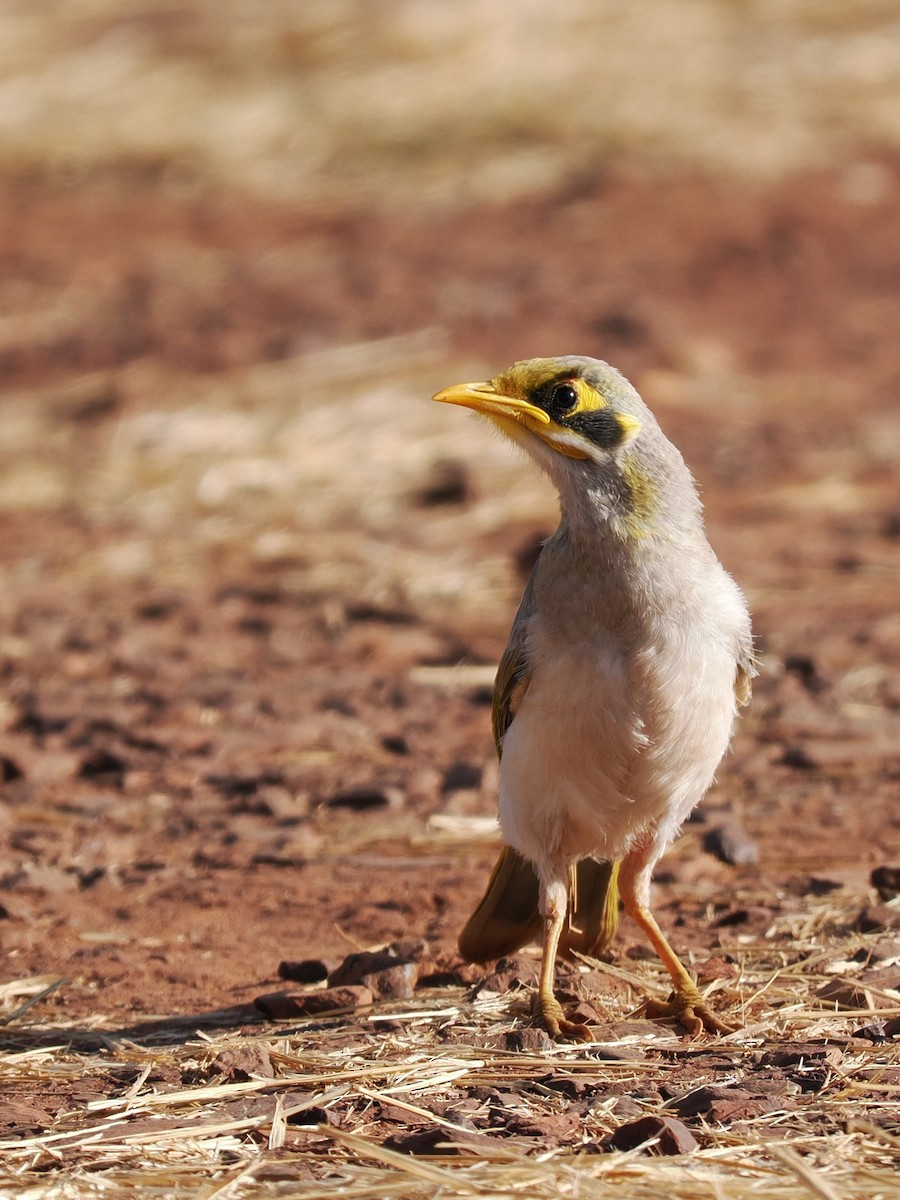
(547, 1013)
(689, 1009)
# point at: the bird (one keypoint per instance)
(615, 698)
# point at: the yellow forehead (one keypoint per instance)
(524, 380)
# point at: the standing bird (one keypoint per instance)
(615, 697)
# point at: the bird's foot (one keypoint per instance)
(689, 1009)
(548, 1014)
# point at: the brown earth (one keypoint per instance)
(249, 569)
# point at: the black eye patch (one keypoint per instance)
(601, 426)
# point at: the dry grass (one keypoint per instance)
(250, 1138)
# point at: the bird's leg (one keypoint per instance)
(546, 1009)
(686, 1005)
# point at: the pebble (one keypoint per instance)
(731, 843)
(672, 1136)
(242, 1062)
(876, 917)
(308, 970)
(280, 1006)
(887, 881)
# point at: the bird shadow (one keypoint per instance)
(157, 1031)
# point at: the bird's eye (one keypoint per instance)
(562, 399)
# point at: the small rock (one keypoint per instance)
(571, 1087)
(243, 1062)
(555, 1127)
(448, 483)
(394, 983)
(103, 768)
(528, 1038)
(389, 975)
(364, 798)
(817, 886)
(714, 968)
(24, 1118)
(510, 974)
(887, 881)
(438, 1140)
(640, 952)
(876, 1032)
(307, 970)
(393, 1115)
(440, 975)
(461, 776)
(591, 984)
(755, 914)
(799, 758)
(585, 1014)
(875, 917)
(279, 1006)
(701, 1099)
(278, 858)
(672, 1136)
(9, 769)
(233, 785)
(731, 843)
(885, 978)
(811, 1077)
(883, 951)
(793, 1053)
(612, 1053)
(87, 878)
(805, 669)
(626, 1107)
(724, 1112)
(408, 949)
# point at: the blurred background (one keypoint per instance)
(219, 218)
(255, 583)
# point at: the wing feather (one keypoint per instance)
(513, 673)
(745, 672)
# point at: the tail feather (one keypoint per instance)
(593, 908)
(508, 916)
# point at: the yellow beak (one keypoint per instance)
(483, 398)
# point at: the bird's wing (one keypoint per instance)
(511, 681)
(745, 672)
(508, 916)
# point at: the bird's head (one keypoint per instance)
(587, 427)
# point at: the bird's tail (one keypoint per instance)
(507, 915)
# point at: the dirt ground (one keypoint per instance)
(255, 584)
(221, 741)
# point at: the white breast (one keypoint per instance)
(607, 744)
